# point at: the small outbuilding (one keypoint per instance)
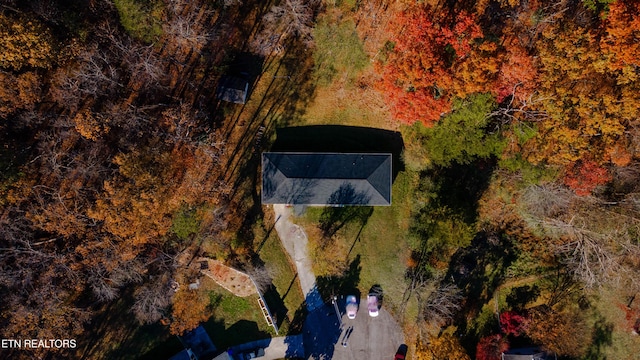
(233, 89)
(327, 179)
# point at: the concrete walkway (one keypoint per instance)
(295, 241)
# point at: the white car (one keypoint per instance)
(351, 306)
(372, 305)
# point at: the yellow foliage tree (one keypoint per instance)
(189, 310)
(25, 42)
(18, 91)
(443, 347)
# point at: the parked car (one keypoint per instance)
(401, 353)
(256, 353)
(351, 306)
(372, 305)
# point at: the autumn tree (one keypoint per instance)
(26, 42)
(417, 76)
(563, 332)
(584, 176)
(589, 100)
(189, 309)
(19, 92)
(512, 323)
(491, 347)
(445, 346)
(620, 46)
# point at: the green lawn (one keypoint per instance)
(380, 245)
(235, 320)
(612, 336)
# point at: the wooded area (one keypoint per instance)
(520, 120)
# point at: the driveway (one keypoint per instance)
(323, 333)
(369, 337)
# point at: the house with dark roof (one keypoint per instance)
(531, 353)
(327, 179)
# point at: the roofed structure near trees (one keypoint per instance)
(326, 179)
(233, 89)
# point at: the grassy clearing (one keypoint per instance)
(339, 51)
(141, 18)
(619, 343)
(349, 102)
(235, 320)
(344, 74)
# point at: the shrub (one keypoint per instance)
(491, 347)
(512, 323)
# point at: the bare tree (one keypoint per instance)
(291, 18)
(442, 305)
(153, 299)
(186, 26)
(596, 244)
(261, 276)
(546, 201)
(521, 110)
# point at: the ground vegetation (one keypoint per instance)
(515, 208)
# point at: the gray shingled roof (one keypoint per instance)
(526, 354)
(326, 179)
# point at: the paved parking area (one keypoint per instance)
(370, 338)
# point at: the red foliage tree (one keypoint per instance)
(512, 323)
(418, 72)
(491, 347)
(584, 176)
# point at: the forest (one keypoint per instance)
(516, 210)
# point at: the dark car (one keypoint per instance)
(401, 353)
(259, 352)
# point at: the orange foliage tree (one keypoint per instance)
(417, 77)
(584, 176)
(620, 45)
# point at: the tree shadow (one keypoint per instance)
(601, 338)
(333, 219)
(478, 270)
(520, 296)
(460, 186)
(346, 283)
(116, 325)
(276, 305)
(242, 331)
